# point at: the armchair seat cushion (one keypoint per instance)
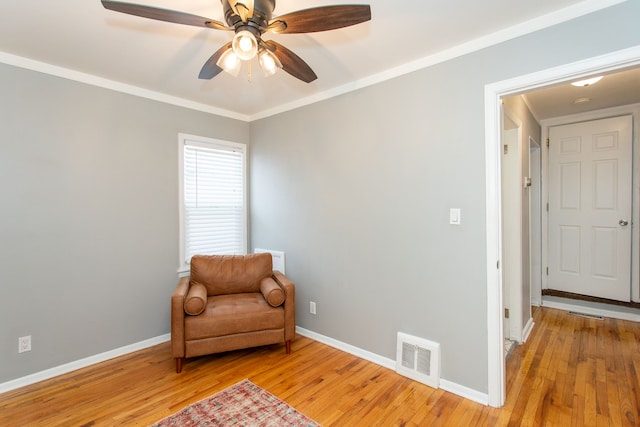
(234, 314)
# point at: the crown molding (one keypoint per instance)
(90, 79)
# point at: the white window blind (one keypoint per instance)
(213, 198)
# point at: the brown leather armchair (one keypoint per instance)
(229, 303)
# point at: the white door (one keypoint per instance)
(590, 167)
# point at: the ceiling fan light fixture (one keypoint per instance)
(268, 62)
(229, 62)
(245, 45)
(587, 82)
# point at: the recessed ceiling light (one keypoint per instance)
(587, 82)
(581, 101)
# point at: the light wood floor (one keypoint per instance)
(572, 371)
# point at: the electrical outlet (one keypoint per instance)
(24, 344)
(312, 307)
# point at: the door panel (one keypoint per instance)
(590, 173)
(569, 249)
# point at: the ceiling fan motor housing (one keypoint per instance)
(262, 12)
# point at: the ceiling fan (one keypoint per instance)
(250, 19)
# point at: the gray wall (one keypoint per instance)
(356, 190)
(88, 216)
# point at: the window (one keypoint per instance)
(212, 198)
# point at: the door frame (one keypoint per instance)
(493, 93)
(535, 222)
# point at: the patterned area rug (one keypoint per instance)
(243, 404)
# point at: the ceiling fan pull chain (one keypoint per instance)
(249, 75)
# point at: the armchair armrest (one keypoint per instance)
(177, 317)
(289, 304)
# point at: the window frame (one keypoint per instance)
(195, 140)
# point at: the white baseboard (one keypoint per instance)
(82, 363)
(594, 309)
(527, 329)
(466, 392)
(385, 362)
(356, 351)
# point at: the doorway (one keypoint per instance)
(493, 94)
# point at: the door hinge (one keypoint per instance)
(547, 142)
(506, 313)
(547, 206)
(547, 271)
(498, 264)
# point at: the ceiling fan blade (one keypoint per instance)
(292, 63)
(210, 68)
(320, 19)
(163, 14)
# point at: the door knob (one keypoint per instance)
(622, 222)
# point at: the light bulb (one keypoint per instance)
(245, 45)
(268, 62)
(229, 62)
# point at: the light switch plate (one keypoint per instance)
(455, 216)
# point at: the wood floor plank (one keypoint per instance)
(572, 371)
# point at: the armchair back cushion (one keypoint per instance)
(232, 274)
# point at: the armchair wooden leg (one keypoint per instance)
(288, 345)
(179, 364)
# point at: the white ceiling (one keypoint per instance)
(619, 88)
(81, 39)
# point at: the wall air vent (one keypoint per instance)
(418, 359)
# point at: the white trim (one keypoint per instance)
(356, 351)
(82, 363)
(495, 304)
(446, 385)
(493, 93)
(385, 362)
(527, 329)
(536, 203)
(90, 79)
(466, 392)
(594, 311)
(550, 19)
